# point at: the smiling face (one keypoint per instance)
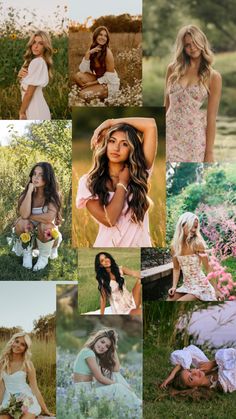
(102, 38)
(38, 177)
(105, 262)
(19, 345)
(37, 47)
(118, 148)
(102, 345)
(192, 231)
(193, 377)
(190, 47)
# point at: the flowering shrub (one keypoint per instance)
(218, 225)
(73, 405)
(224, 280)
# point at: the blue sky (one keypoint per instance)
(23, 302)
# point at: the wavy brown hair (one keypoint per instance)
(106, 360)
(101, 55)
(103, 277)
(51, 189)
(181, 59)
(98, 178)
(48, 50)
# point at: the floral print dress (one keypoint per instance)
(186, 123)
(194, 280)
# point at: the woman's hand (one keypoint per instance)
(31, 187)
(172, 291)
(165, 383)
(95, 50)
(95, 138)
(22, 116)
(124, 176)
(220, 296)
(23, 73)
(207, 366)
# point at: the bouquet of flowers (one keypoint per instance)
(18, 405)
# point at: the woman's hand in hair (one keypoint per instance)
(172, 291)
(23, 73)
(95, 138)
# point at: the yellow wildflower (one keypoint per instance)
(54, 233)
(55, 50)
(25, 237)
(13, 36)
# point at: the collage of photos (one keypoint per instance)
(117, 209)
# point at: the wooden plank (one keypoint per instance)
(157, 272)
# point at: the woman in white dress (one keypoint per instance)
(34, 75)
(189, 254)
(218, 374)
(111, 285)
(16, 369)
(96, 371)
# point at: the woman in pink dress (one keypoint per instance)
(189, 254)
(190, 80)
(111, 286)
(115, 191)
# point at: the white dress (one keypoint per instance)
(37, 76)
(16, 383)
(225, 359)
(122, 302)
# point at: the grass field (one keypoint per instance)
(158, 404)
(44, 360)
(89, 297)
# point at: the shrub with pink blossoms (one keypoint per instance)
(224, 280)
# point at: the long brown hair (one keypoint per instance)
(101, 55)
(106, 360)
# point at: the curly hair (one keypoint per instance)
(6, 355)
(182, 60)
(106, 360)
(47, 54)
(98, 177)
(51, 189)
(101, 55)
(103, 277)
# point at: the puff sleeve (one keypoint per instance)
(84, 66)
(83, 193)
(37, 73)
(112, 80)
(191, 355)
(226, 361)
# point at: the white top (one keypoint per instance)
(225, 359)
(37, 76)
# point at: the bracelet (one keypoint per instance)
(122, 185)
(106, 216)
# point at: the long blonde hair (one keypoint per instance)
(181, 59)
(6, 355)
(48, 50)
(195, 242)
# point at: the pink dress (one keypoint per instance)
(125, 233)
(122, 302)
(194, 280)
(186, 124)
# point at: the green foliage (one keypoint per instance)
(120, 23)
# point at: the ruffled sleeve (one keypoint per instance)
(83, 193)
(112, 80)
(191, 355)
(37, 73)
(226, 359)
(84, 66)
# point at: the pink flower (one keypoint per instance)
(47, 234)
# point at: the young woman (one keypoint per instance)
(97, 368)
(97, 77)
(39, 207)
(16, 369)
(218, 374)
(111, 286)
(34, 75)
(115, 190)
(190, 80)
(189, 253)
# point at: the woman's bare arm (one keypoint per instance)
(47, 217)
(26, 101)
(34, 387)
(103, 300)
(176, 274)
(171, 376)
(131, 272)
(25, 206)
(92, 363)
(212, 109)
(166, 95)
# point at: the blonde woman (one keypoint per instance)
(115, 191)
(189, 254)
(34, 75)
(16, 368)
(190, 81)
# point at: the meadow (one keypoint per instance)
(44, 360)
(89, 297)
